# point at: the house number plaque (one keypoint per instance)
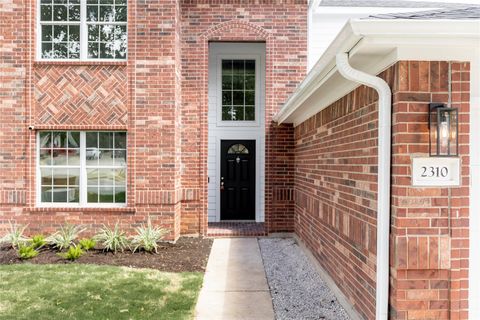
(436, 172)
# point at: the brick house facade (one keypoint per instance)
(320, 169)
(158, 95)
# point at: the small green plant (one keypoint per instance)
(27, 252)
(65, 236)
(147, 237)
(38, 241)
(73, 253)
(87, 244)
(112, 239)
(15, 236)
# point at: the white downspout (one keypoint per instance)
(383, 176)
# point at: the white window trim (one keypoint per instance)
(83, 179)
(240, 123)
(83, 36)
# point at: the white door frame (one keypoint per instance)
(220, 130)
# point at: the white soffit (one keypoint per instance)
(373, 46)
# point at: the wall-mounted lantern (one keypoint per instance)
(443, 126)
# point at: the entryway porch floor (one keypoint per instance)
(236, 229)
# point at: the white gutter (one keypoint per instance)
(383, 176)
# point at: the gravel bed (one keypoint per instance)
(297, 290)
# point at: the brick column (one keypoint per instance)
(15, 68)
(155, 54)
(429, 236)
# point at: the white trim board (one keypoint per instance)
(218, 130)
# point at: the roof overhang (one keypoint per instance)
(373, 46)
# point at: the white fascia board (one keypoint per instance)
(398, 39)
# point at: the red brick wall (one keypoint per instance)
(280, 212)
(14, 96)
(80, 95)
(140, 95)
(336, 192)
(429, 249)
(156, 91)
(282, 25)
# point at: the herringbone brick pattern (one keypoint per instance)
(81, 95)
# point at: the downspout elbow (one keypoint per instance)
(383, 177)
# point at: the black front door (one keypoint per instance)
(237, 180)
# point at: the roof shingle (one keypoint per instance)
(468, 13)
(392, 4)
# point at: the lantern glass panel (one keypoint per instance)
(443, 125)
(433, 133)
(453, 145)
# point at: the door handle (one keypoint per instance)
(222, 184)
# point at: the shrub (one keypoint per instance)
(37, 241)
(15, 237)
(147, 237)
(112, 239)
(27, 252)
(73, 253)
(87, 244)
(65, 236)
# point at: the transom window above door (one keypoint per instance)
(82, 29)
(238, 90)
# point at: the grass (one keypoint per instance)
(95, 292)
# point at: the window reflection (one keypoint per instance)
(60, 166)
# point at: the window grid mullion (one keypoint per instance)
(117, 23)
(61, 23)
(83, 30)
(83, 170)
(38, 175)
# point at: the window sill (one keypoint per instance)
(125, 210)
(240, 123)
(80, 63)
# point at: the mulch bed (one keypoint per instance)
(186, 255)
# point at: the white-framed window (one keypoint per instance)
(238, 90)
(81, 168)
(82, 30)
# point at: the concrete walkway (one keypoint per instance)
(235, 285)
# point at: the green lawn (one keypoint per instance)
(76, 291)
